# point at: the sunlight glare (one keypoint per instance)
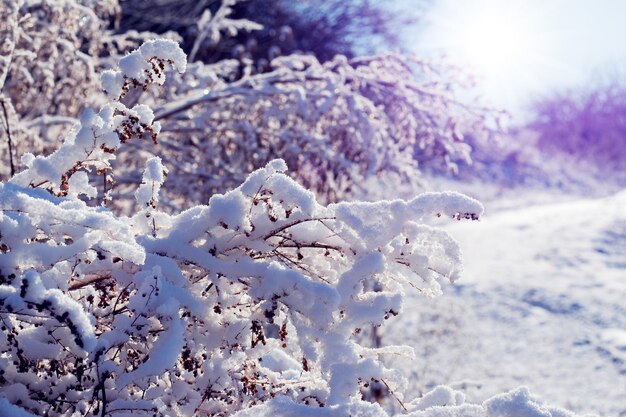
(495, 41)
(507, 45)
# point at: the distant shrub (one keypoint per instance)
(588, 125)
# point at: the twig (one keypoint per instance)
(101, 387)
(394, 395)
(8, 130)
(76, 285)
(294, 223)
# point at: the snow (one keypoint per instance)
(344, 377)
(230, 210)
(278, 361)
(135, 64)
(145, 114)
(139, 66)
(540, 303)
(380, 221)
(441, 402)
(163, 356)
(438, 397)
(153, 177)
(520, 403)
(79, 184)
(283, 407)
(112, 82)
(166, 49)
(9, 410)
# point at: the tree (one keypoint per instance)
(334, 124)
(50, 55)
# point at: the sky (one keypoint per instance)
(523, 49)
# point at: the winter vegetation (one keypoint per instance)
(586, 125)
(179, 229)
(332, 122)
(280, 27)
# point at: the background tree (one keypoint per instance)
(324, 29)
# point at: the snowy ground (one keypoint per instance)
(542, 303)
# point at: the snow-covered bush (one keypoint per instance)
(334, 123)
(259, 294)
(249, 305)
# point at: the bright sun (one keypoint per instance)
(502, 42)
(495, 41)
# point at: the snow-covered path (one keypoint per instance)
(542, 303)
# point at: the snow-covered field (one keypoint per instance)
(541, 303)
